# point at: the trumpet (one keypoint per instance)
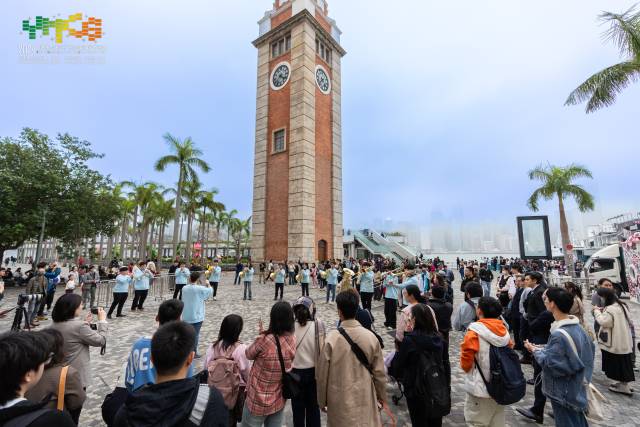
(272, 276)
(323, 274)
(298, 277)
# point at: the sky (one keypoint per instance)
(446, 105)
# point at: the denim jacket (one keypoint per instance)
(564, 374)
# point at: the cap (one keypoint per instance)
(306, 301)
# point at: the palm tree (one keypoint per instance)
(601, 89)
(163, 212)
(558, 182)
(187, 157)
(192, 195)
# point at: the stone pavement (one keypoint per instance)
(622, 411)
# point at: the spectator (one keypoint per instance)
(175, 399)
(56, 373)
(140, 371)
(486, 277)
(469, 277)
(310, 337)
(577, 309)
(615, 341)
(228, 346)
(89, 282)
(332, 280)
(480, 409)
(467, 313)
(194, 296)
(182, 277)
(37, 285)
(515, 317)
(78, 334)
(443, 311)
(423, 340)
(566, 361)
(239, 268)
(413, 296)
(265, 401)
(339, 365)
(539, 327)
(22, 360)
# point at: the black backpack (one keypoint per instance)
(506, 383)
(431, 384)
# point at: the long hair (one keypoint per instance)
(414, 291)
(281, 320)
(574, 290)
(230, 330)
(423, 319)
(610, 297)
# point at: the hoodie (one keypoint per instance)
(47, 418)
(172, 404)
(405, 364)
(476, 344)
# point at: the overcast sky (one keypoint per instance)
(446, 105)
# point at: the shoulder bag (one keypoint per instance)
(61, 387)
(290, 380)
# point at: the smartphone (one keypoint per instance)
(93, 326)
(94, 310)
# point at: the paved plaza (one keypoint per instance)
(622, 411)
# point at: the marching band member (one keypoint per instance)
(390, 300)
(279, 280)
(248, 278)
(332, 279)
(214, 274)
(366, 286)
(305, 276)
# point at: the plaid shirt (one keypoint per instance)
(264, 391)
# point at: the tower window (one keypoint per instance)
(324, 51)
(279, 137)
(281, 46)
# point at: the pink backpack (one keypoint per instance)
(224, 374)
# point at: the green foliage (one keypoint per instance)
(600, 90)
(558, 181)
(41, 176)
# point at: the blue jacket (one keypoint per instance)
(306, 275)
(122, 284)
(216, 272)
(332, 276)
(366, 282)
(248, 275)
(182, 276)
(564, 374)
(141, 279)
(391, 283)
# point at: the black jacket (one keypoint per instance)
(49, 418)
(170, 404)
(443, 310)
(468, 280)
(540, 328)
(514, 313)
(534, 305)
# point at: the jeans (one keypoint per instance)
(566, 417)
(49, 300)
(486, 288)
(366, 300)
(197, 327)
(279, 286)
(305, 404)
(331, 289)
(247, 287)
(292, 277)
(118, 300)
(178, 290)
(305, 289)
(250, 420)
(88, 294)
(138, 299)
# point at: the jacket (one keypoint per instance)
(443, 312)
(534, 305)
(48, 418)
(405, 363)
(171, 404)
(540, 328)
(345, 387)
(465, 315)
(613, 322)
(564, 372)
(37, 285)
(475, 346)
(468, 280)
(78, 337)
(74, 394)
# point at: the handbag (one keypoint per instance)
(290, 380)
(594, 397)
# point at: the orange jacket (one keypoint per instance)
(471, 344)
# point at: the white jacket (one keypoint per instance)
(473, 383)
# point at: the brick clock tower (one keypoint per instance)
(297, 189)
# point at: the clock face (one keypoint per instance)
(280, 75)
(322, 79)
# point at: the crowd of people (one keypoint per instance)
(507, 319)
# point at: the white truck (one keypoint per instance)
(619, 263)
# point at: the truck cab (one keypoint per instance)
(609, 263)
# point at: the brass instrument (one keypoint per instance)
(272, 276)
(299, 277)
(323, 274)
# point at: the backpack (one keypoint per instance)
(224, 374)
(431, 384)
(506, 383)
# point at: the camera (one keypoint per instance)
(24, 298)
(94, 310)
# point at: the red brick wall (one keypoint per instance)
(277, 194)
(324, 169)
(322, 20)
(281, 17)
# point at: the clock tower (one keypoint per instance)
(297, 189)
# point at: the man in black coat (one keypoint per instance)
(443, 311)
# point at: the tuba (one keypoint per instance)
(272, 276)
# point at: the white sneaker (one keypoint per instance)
(215, 299)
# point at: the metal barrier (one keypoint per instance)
(586, 284)
(159, 289)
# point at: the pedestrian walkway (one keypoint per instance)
(622, 411)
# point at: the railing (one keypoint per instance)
(587, 285)
(159, 289)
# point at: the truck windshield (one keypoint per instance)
(601, 265)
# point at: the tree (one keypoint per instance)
(192, 194)
(163, 212)
(559, 182)
(600, 90)
(50, 191)
(187, 157)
